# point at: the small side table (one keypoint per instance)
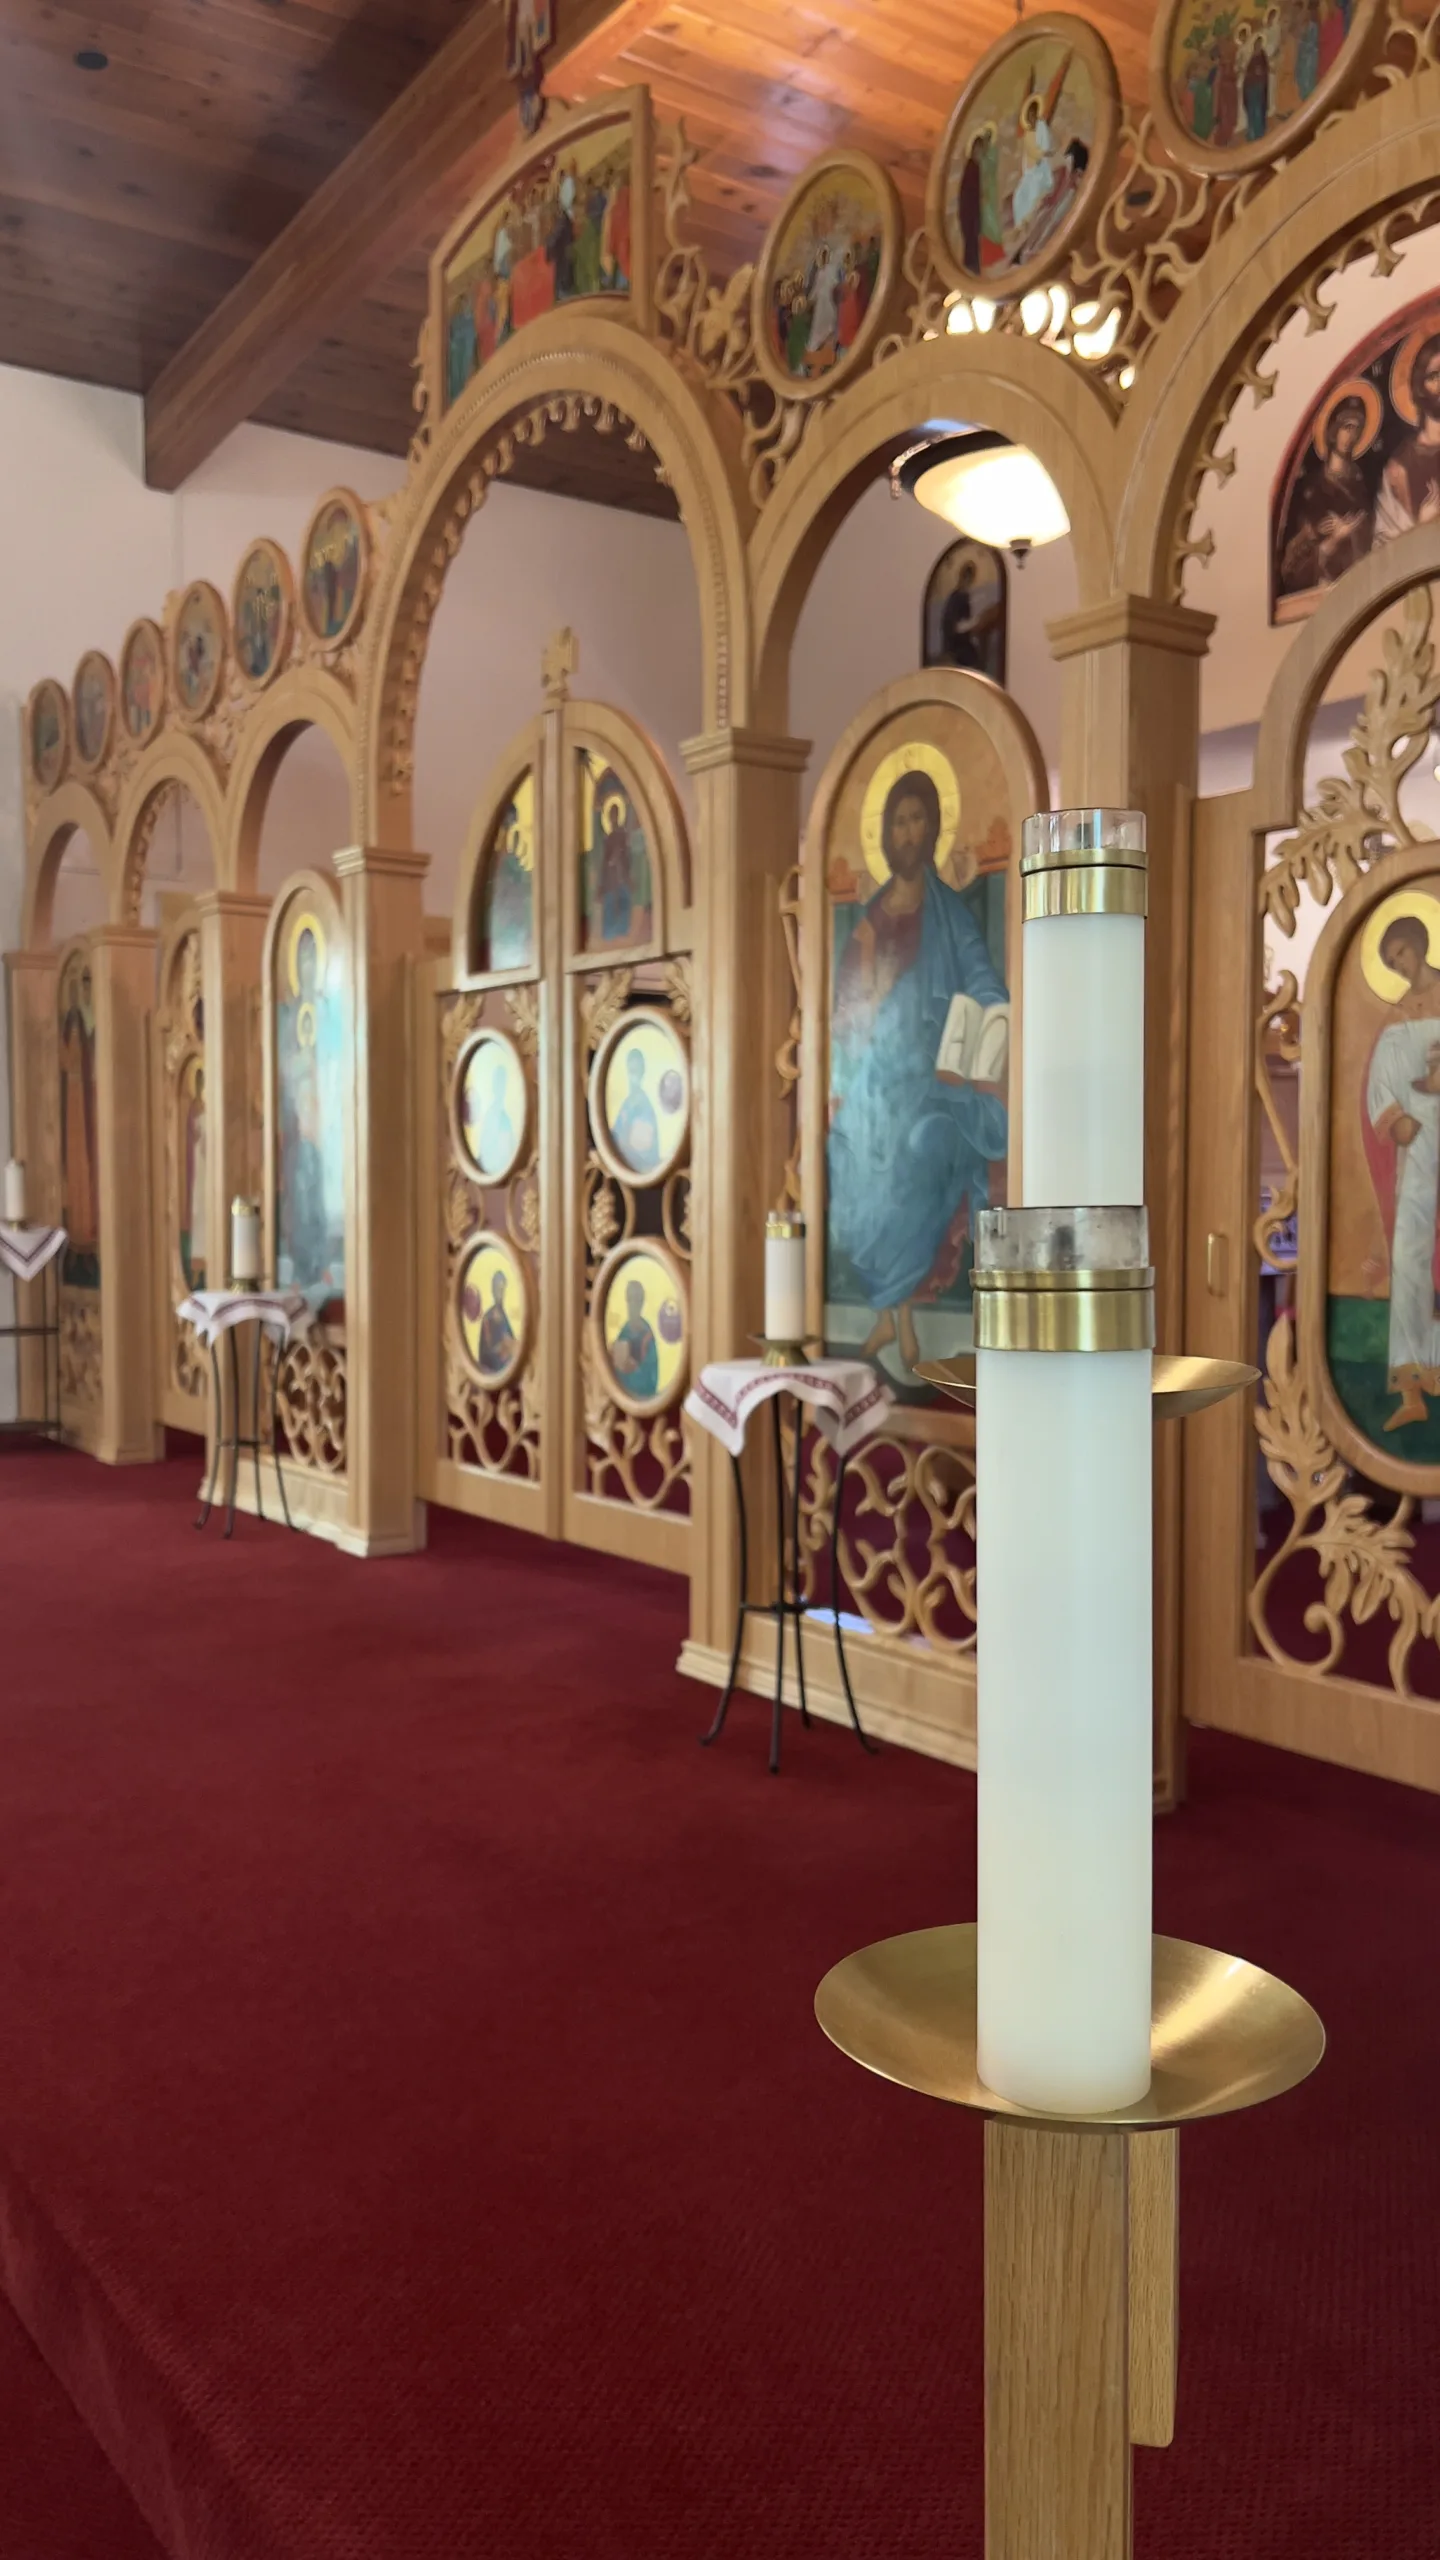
(33, 1253)
(217, 1314)
(849, 1400)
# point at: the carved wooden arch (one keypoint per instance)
(643, 769)
(562, 367)
(175, 761)
(1298, 689)
(1365, 181)
(68, 811)
(1023, 388)
(1023, 766)
(302, 698)
(525, 753)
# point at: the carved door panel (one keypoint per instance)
(554, 1146)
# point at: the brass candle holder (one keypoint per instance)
(1081, 2211)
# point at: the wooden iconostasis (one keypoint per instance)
(517, 1157)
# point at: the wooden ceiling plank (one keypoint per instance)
(425, 154)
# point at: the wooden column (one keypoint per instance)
(123, 976)
(1057, 2426)
(1130, 738)
(31, 978)
(232, 941)
(748, 837)
(382, 899)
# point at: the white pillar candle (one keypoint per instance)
(15, 1193)
(1064, 1726)
(1083, 1018)
(244, 1240)
(784, 1277)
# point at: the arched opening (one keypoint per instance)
(889, 569)
(78, 894)
(610, 563)
(300, 811)
(178, 859)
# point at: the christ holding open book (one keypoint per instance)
(917, 1079)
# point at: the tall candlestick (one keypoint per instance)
(245, 1243)
(784, 1278)
(1083, 875)
(1064, 1330)
(15, 1193)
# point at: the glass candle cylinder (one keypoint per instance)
(784, 1277)
(1084, 881)
(15, 1193)
(245, 1241)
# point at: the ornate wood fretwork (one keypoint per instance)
(1363, 1557)
(1277, 1042)
(80, 1350)
(1357, 818)
(709, 330)
(907, 1540)
(495, 1431)
(1358, 1540)
(311, 1401)
(640, 1459)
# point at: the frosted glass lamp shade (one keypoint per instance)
(988, 488)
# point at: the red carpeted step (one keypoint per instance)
(59, 2498)
(415, 2143)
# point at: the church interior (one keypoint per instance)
(719, 1280)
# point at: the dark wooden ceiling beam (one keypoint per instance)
(439, 138)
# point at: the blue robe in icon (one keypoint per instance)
(905, 1150)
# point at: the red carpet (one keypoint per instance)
(415, 2143)
(59, 2498)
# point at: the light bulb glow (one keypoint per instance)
(1035, 314)
(983, 313)
(1092, 344)
(1059, 306)
(1002, 496)
(961, 320)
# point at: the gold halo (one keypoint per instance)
(916, 757)
(1388, 983)
(612, 800)
(1402, 398)
(304, 920)
(1354, 387)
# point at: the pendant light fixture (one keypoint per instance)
(986, 487)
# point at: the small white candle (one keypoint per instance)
(245, 1240)
(784, 1277)
(15, 1193)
